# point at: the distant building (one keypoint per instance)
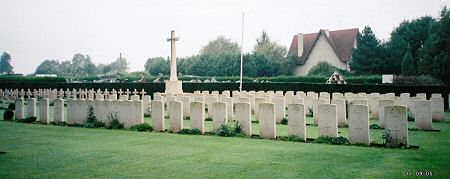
(334, 47)
(46, 75)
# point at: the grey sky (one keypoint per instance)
(32, 31)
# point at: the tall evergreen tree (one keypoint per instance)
(366, 58)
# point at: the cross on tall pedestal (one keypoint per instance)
(173, 86)
(173, 56)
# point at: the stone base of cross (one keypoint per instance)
(174, 87)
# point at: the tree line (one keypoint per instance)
(416, 47)
(82, 65)
(221, 57)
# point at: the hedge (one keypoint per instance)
(150, 88)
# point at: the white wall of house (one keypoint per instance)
(322, 51)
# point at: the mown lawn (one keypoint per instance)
(43, 151)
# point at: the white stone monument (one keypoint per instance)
(173, 86)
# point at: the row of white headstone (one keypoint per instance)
(13, 94)
(327, 122)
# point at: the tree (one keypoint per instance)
(5, 64)
(322, 68)
(408, 36)
(157, 65)
(48, 67)
(119, 66)
(367, 58)
(220, 46)
(82, 65)
(435, 54)
(408, 64)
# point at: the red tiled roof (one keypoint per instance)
(340, 40)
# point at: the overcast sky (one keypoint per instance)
(35, 30)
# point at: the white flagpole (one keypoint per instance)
(242, 52)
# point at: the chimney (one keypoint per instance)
(327, 32)
(300, 44)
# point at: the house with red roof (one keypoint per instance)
(334, 47)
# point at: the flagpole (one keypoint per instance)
(242, 53)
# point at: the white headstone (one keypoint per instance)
(44, 111)
(341, 111)
(176, 116)
(220, 115)
(358, 124)
(197, 116)
(423, 115)
(158, 120)
(328, 126)
(396, 125)
(243, 116)
(20, 108)
(31, 107)
(297, 120)
(266, 116)
(381, 108)
(58, 114)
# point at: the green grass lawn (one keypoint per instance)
(35, 150)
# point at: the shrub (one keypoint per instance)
(227, 130)
(114, 122)
(416, 80)
(375, 126)
(190, 131)
(28, 120)
(284, 121)
(12, 106)
(208, 119)
(187, 118)
(8, 115)
(142, 127)
(292, 138)
(91, 120)
(147, 115)
(332, 140)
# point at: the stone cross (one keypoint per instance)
(61, 93)
(120, 92)
(29, 94)
(128, 92)
(173, 57)
(22, 93)
(135, 92)
(143, 93)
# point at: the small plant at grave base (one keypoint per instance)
(91, 121)
(51, 103)
(374, 126)
(28, 120)
(292, 138)
(208, 119)
(12, 106)
(114, 122)
(8, 115)
(60, 123)
(284, 121)
(187, 118)
(190, 131)
(255, 122)
(142, 127)
(227, 130)
(332, 140)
